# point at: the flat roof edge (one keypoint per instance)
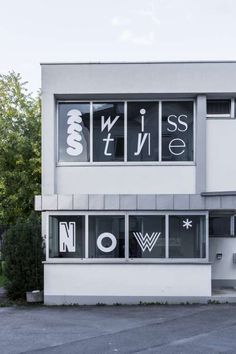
(143, 62)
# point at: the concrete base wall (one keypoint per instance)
(223, 269)
(125, 283)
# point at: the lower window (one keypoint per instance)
(187, 236)
(146, 236)
(106, 236)
(128, 236)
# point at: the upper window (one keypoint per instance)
(223, 108)
(177, 131)
(127, 132)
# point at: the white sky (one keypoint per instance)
(34, 31)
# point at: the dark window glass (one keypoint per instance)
(218, 107)
(187, 236)
(73, 132)
(108, 131)
(177, 131)
(66, 237)
(107, 236)
(142, 130)
(219, 225)
(146, 236)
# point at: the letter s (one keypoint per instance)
(182, 123)
(172, 123)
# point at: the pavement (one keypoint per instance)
(164, 329)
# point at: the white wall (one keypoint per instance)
(223, 269)
(126, 180)
(127, 280)
(221, 150)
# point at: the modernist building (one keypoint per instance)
(138, 181)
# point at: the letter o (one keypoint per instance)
(109, 248)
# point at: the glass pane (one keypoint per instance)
(187, 236)
(107, 236)
(66, 237)
(218, 106)
(177, 131)
(108, 131)
(142, 142)
(146, 236)
(219, 225)
(73, 132)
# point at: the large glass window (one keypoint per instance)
(142, 126)
(73, 132)
(108, 131)
(67, 236)
(125, 132)
(146, 236)
(177, 131)
(187, 236)
(129, 236)
(106, 236)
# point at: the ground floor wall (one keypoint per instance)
(125, 283)
(221, 255)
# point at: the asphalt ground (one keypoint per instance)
(161, 329)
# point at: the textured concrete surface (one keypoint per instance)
(119, 329)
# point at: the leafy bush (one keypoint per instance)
(23, 257)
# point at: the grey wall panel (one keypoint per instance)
(128, 202)
(181, 202)
(213, 203)
(197, 202)
(165, 202)
(112, 202)
(146, 202)
(96, 202)
(80, 202)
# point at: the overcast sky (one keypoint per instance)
(34, 31)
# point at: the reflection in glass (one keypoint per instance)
(67, 236)
(73, 132)
(108, 131)
(142, 120)
(107, 236)
(146, 236)
(177, 131)
(187, 236)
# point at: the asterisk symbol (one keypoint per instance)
(187, 223)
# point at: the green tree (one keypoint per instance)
(19, 149)
(23, 255)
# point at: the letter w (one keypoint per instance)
(147, 241)
(108, 123)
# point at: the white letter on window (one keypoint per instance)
(67, 236)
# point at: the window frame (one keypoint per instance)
(126, 162)
(126, 259)
(230, 115)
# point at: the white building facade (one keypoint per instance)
(138, 181)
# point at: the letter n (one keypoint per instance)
(67, 235)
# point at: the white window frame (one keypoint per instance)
(230, 115)
(125, 162)
(126, 259)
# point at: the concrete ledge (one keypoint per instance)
(123, 300)
(135, 202)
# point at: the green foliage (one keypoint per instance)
(23, 256)
(19, 149)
